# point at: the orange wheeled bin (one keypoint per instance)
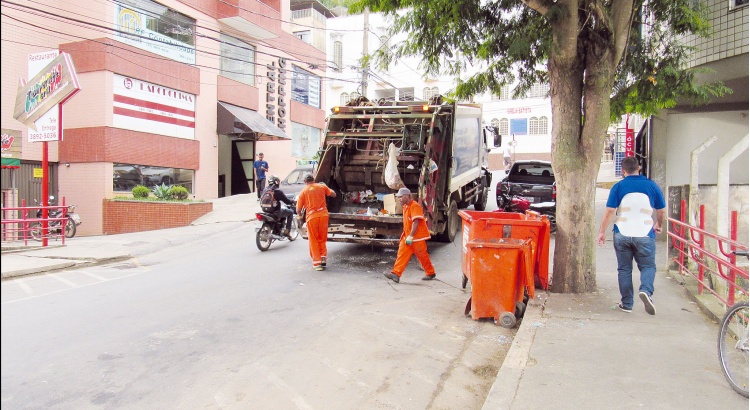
(531, 225)
(501, 272)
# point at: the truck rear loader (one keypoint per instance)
(441, 152)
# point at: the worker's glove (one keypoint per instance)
(409, 240)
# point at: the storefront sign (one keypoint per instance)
(146, 107)
(521, 110)
(11, 143)
(53, 85)
(276, 92)
(47, 127)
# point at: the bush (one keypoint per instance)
(162, 192)
(179, 192)
(140, 191)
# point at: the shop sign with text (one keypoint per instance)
(53, 85)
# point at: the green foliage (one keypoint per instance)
(162, 192)
(488, 44)
(140, 191)
(179, 193)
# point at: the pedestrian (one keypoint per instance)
(260, 167)
(634, 198)
(413, 239)
(312, 199)
(506, 155)
(611, 139)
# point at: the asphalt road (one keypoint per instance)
(218, 324)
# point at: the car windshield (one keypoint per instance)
(539, 170)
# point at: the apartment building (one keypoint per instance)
(182, 92)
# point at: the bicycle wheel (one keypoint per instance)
(733, 347)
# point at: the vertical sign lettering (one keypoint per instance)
(276, 93)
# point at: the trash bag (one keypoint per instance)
(392, 178)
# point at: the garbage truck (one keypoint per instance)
(370, 150)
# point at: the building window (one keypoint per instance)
(237, 59)
(733, 4)
(428, 93)
(344, 99)
(141, 21)
(338, 55)
(505, 92)
(539, 91)
(305, 36)
(533, 126)
(504, 126)
(542, 125)
(305, 87)
(128, 176)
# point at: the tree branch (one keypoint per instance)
(537, 5)
(622, 15)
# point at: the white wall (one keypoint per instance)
(687, 131)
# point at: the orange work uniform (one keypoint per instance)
(313, 199)
(413, 214)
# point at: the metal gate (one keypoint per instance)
(29, 188)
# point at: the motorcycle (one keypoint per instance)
(517, 204)
(55, 225)
(271, 228)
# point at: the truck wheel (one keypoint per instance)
(481, 203)
(452, 224)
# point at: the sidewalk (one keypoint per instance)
(228, 213)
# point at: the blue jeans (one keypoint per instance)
(643, 250)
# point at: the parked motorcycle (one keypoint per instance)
(517, 204)
(271, 228)
(55, 227)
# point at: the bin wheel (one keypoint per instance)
(507, 320)
(467, 310)
(464, 281)
(520, 309)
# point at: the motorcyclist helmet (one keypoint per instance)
(272, 180)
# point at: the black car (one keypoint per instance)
(531, 180)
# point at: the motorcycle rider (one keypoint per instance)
(279, 196)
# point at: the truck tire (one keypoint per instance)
(481, 203)
(452, 224)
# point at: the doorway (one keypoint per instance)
(243, 156)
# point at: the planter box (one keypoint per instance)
(120, 216)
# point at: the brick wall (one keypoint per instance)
(135, 216)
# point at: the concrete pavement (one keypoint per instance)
(570, 351)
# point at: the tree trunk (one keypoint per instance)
(581, 77)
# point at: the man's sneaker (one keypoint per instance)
(428, 277)
(647, 303)
(285, 232)
(392, 276)
(323, 261)
(318, 267)
(624, 309)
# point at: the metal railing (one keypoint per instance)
(694, 258)
(19, 222)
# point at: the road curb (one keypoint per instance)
(503, 391)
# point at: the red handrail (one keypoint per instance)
(18, 228)
(690, 242)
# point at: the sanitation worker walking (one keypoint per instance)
(413, 239)
(312, 199)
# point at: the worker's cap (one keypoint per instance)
(403, 191)
(309, 177)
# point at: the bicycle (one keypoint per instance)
(733, 345)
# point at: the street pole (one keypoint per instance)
(365, 52)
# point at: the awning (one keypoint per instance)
(11, 163)
(245, 124)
